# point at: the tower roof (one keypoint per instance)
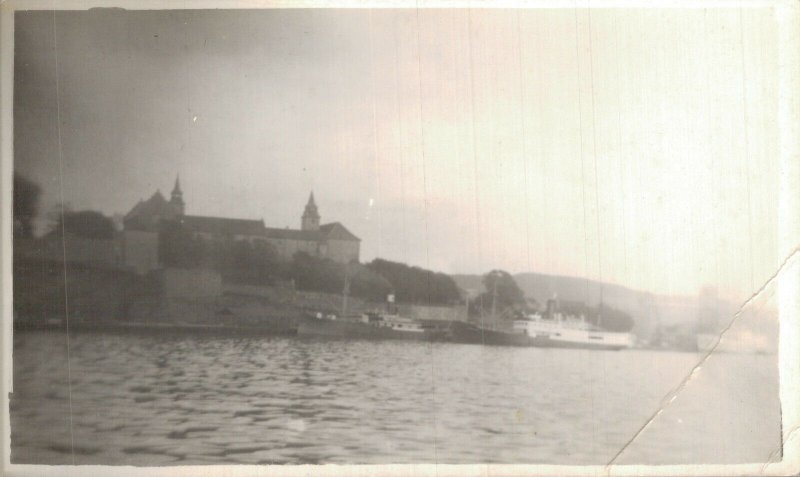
(223, 225)
(311, 208)
(177, 194)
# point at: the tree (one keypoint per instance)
(324, 275)
(417, 285)
(238, 261)
(26, 205)
(366, 283)
(254, 263)
(501, 295)
(88, 224)
(265, 262)
(178, 248)
(316, 274)
(501, 284)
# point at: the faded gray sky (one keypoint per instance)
(632, 146)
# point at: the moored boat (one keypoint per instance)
(461, 332)
(467, 333)
(563, 331)
(370, 326)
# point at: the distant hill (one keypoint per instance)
(647, 309)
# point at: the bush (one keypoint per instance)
(367, 284)
(417, 285)
(324, 275)
(26, 204)
(86, 223)
(178, 248)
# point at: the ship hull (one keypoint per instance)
(556, 334)
(547, 342)
(355, 330)
(468, 334)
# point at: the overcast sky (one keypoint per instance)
(633, 146)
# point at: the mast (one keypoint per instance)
(391, 308)
(346, 290)
(494, 302)
(600, 314)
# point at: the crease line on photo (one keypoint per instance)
(672, 395)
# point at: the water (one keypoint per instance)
(173, 400)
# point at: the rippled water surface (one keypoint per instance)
(162, 400)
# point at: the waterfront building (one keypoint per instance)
(142, 224)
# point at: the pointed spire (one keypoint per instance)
(311, 207)
(310, 219)
(176, 198)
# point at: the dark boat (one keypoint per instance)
(460, 332)
(232, 330)
(373, 326)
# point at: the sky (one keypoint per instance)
(637, 147)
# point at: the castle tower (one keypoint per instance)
(177, 197)
(310, 219)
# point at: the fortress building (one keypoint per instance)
(142, 224)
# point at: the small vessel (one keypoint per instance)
(461, 332)
(570, 334)
(558, 330)
(468, 333)
(370, 325)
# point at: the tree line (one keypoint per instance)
(88, 224)
(257, 263)
(417, 285)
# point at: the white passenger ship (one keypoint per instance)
(558, 330)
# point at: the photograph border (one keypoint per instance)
(786, 277)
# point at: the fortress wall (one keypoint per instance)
(179, 283)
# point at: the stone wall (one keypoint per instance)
(41, 289)
(179, 283)
(306, 300)
(343, 251)
(273, 294)
(72, 249)
(286, 248)
(332, 303)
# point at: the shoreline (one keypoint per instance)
(153, 327)
(227, 331)
(219, 331)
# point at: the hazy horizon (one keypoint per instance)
(455, 140)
